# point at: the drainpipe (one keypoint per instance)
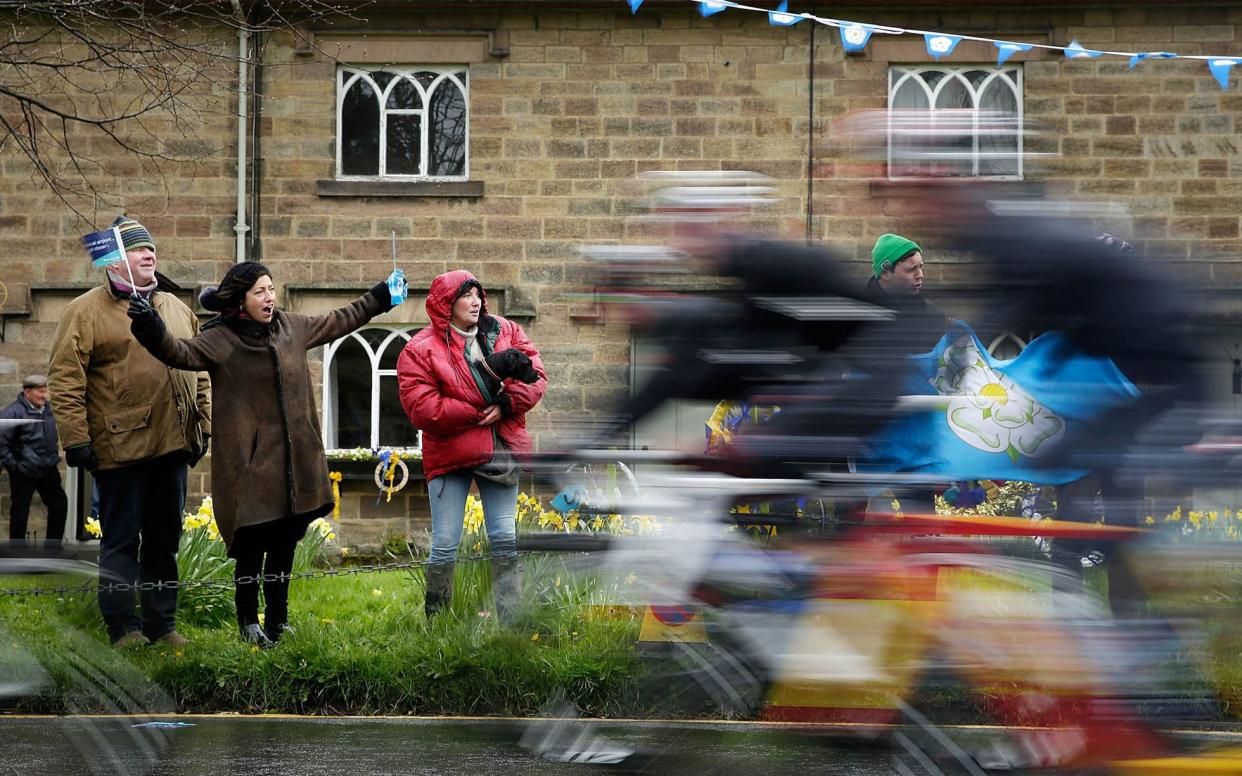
(243, 57)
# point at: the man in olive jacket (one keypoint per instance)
(135, 424)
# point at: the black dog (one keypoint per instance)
(507, 364)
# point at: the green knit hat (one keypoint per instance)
(133, 234)
(888, 251)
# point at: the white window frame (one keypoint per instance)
(1007, 337)
(900, 74)
(330, 398)
(402, 73)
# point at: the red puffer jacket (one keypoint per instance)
(439, 392)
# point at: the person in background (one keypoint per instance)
(30, 453)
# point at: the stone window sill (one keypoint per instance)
(335, 188)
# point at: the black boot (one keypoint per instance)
(275, 629)
(276, 615)
(252, 633)
(439, 587)
(506, 587)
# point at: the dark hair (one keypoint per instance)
(227, 297)
(465, 287)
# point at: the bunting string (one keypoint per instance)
(856, 35)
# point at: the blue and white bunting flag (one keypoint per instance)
(940, 45)
(995, 419)
(1139, 57)
(635, 5)
(711, 7)
(854, 36)
(781, 18)
(1220, 68)
(1005, 50)
(1075, 51)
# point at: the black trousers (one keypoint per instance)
(140, 512)
(266, 550)
(47, 485)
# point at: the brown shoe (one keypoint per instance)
(173, 639)
(131, 640)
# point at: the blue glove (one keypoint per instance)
(397, 287)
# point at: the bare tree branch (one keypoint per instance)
(84, 83)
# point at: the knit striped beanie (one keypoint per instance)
(133, 234)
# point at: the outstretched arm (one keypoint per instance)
(322, 329)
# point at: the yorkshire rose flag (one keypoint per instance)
(105, 247)
(997, 418)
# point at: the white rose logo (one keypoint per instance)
(989, 411)
(855, 35)
(940, 44)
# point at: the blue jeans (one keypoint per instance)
(448, 514)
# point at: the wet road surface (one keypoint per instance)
(271, 746)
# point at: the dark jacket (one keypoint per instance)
(267, 456)
(779, 308)
(441, 395)
(30, 448)
(919, 324)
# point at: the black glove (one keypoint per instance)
(82, 456)
(145, 322)
(380, 292)
(198, 451)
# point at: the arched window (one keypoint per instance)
(402, 123)
(958, 120)
(1006, 345)
(361, 407)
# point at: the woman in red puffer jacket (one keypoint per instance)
(471, 432)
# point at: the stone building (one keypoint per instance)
(507, 133)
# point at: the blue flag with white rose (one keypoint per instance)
(987, 418)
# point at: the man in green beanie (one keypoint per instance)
(897, 265)
(897, 283)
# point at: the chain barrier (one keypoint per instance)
(120, 587)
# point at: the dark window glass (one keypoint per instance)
(352, 375)
(404, 140)
(998, 145)
(395, 429)
(976, 77)
(382, 78)
(373, 337)
(404, 96)
(426, 79)
(360, 130)
(388, 359)
(448, 130)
